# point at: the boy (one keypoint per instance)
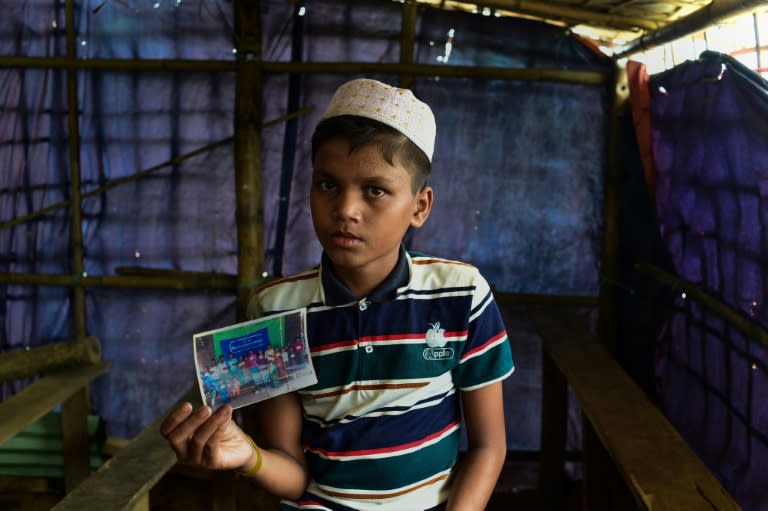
(400, 342)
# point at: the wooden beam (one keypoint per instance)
(408, 39)
(655, 462)
(25, 363)
(346, 68)
(177, 282)
(38, 398)
(574, 15)
(737, 319)
(75, 224)
(249, 208)
(76, 466)
(124, 481)
(478, 72)
(608, 326)
(554, 426)
(74, 436)
(144, 173)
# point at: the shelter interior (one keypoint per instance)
(154, 170)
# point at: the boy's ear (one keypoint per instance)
(424, 198)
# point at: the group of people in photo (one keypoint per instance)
(254, 370)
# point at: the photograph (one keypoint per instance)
(254, 360)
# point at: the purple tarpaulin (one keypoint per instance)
(710, 127)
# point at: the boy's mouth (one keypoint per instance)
(345, 239)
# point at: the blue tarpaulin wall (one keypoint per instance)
(516, 198)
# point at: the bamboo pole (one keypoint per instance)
(485, 73)
(24, 363)
(153, 278)
(735, 318)
(572, 14)
(479, 72)
(74, 410)
(177, 281)
(76, 230)
(290, 135)
(608, 325)
(407, 40)
(118, 64)
(144, 173)
(554, 429)
(248, 189)
(707, 16)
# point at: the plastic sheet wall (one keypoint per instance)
(710, 120)
(517, 172)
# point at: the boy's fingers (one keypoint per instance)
(181, 435)
(175, 418)
(203, 434)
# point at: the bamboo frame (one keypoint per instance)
(575, 14)
(25, 363)
(408, 39)
(75, 408)
(728, 313)
(141, 174)
(608, 322)
(249, 211)
(486, 73)
(179, 281)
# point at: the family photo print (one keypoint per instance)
(251, 361)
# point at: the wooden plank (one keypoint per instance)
(554, 425)
(407, 40)
(142, 504)
(249, 207)
(660, 469)
(74, 434)
(23, 363)
(603, 488)
(37, 399)
(124, 481)
(608, 322)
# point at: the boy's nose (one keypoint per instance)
(347, 207)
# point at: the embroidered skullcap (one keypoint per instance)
(393, 106)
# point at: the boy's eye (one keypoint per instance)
(326, 186)
(375, 191)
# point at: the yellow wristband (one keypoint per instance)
(251, 472)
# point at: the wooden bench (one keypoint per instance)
(66, 368)
(124, 481)
(656, 464)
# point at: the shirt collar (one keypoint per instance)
(336, 293)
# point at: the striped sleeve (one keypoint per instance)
(487, 355)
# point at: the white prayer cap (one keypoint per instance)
(393, 106)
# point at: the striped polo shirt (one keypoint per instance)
(381, 426)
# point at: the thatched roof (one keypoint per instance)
(622, 24)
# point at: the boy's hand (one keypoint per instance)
(205, 440)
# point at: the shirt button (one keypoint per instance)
(369, 349)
